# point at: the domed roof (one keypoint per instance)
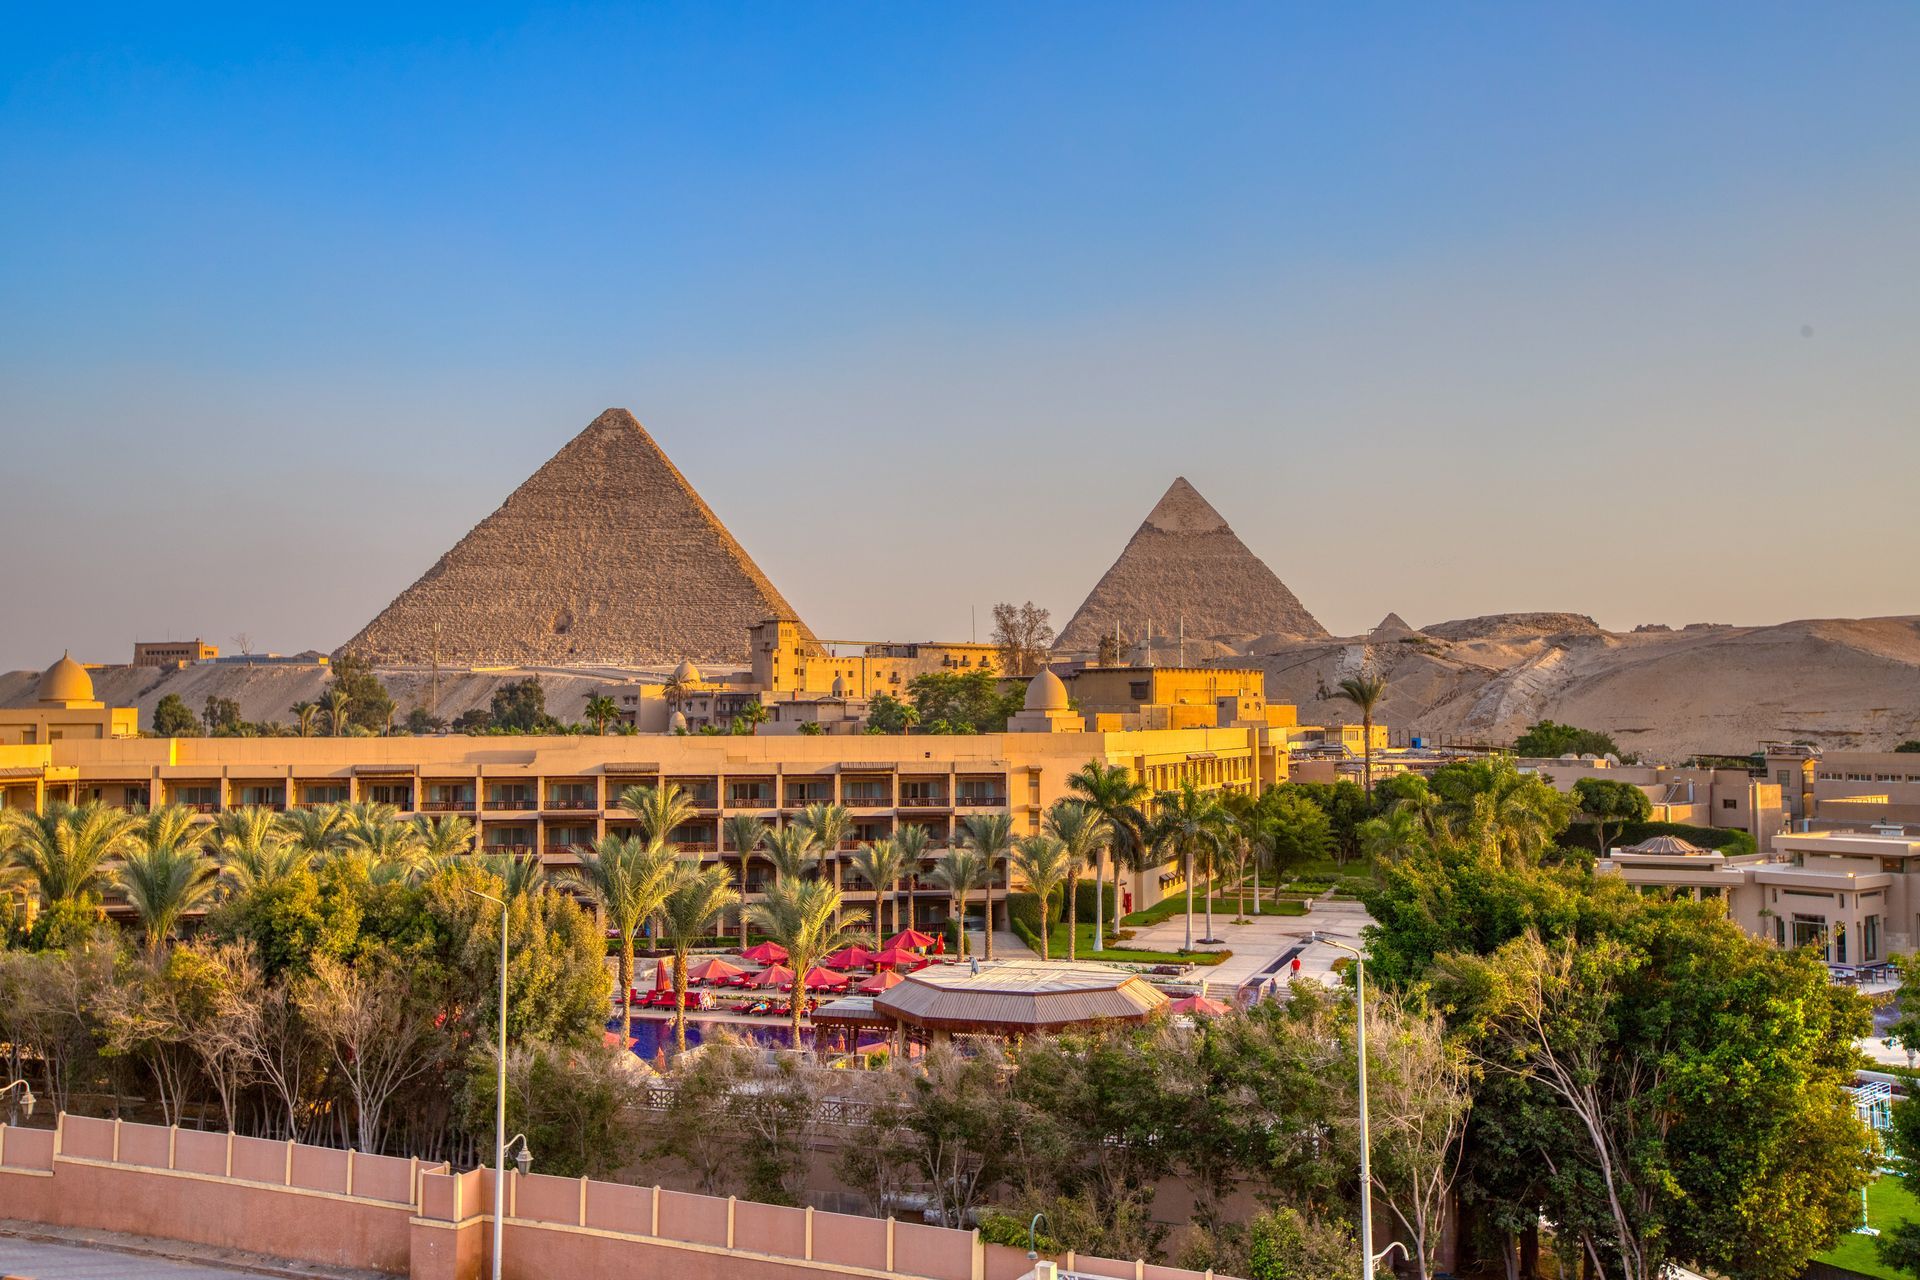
(66, 681)
(1046, 692)
(839, 687)
(687, 673)
(677, 722)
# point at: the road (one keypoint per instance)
(32, 1260)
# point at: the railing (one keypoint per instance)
(797, 800)
(751, 800)
(519, 804)
(199, 806)
(975, 801)
(276, 806)
(447, 806)
(511, 847)
(570, 805)
(923, 802)
(697, 846)
(869, 802)
(569, 850)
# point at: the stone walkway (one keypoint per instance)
(32, 1260)
(1262, 940)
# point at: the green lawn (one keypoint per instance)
(1887, 1203)
(1168, 908)
(1120, 954)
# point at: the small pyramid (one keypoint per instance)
(1393, 627)
(605, 554)
(1184, 561)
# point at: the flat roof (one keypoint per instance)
(1019, 994)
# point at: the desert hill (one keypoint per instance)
(1842, 683)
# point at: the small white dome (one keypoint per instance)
(677, 722)
(839, 687)
(1046, 692)
(687, 673)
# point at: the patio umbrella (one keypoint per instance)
(663, 977)
(614, 1039)
(896, 955)
(1203, 1006)
(776, 975)
(880, 982)
(854, 957)
(712, 970)
(765, 953)
(912, 939)
(819, 979)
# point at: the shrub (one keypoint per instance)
(1025, 908)
(1725, 839)
(1083, 899)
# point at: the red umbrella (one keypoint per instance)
(854, 957)
(880, 982)
(1204, 1006)
(765, 953)
(713, 970)
(819, 979)
(614, 1038)
(912, 939)
(896, 955)
(663, 977)
(777, 975)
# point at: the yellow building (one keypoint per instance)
(1176, 697)
(553, 796)
(172, 653)
(64, 709)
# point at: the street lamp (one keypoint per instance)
(1369, 1260)
(26, 1096)
(500, 1102)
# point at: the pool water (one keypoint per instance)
(650, 1035)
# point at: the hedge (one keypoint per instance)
(1024, 908)
(1083, 899)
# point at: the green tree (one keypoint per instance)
(520, 706)
(171, 719)
(630, 878)
(1604, 803)
(1121, 800)
(805, 917)
(879, 865)
(888, 714)
(1296, 829)
(912, 840)
(368, 704)
(745, 833)
(222, 717)
(1364, 692)
(991, 836)
(959, 871)
(1083, 832)
(1022, 634)
(1041, 861)
(1910, 746)
(830, 825)
(659, 811)
(62, 851)
(165, 873)
(791, 851)
(1491, 806)
(1899, 1243)
(969, 702)
(696, 900)
(1546, 739)
(339, 709)
(601, 711)
(1184, 822)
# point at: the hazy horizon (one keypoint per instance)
(1446, 313)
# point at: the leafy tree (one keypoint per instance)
(601, 710)
(963, 702)
(1364, 692)
(420, 721)
(888, 714)
(575, 1103)
(472, 721)
(1022, 633)
(990, 835)
(1121, 799)
(62, 852)
(1491, 806)
(171, 719)
(812, 729)
(1910, 746)
(1604, 802)
(1111, 651)
(222, 717)
(630, 879)
(1899, 1244)
(1346, 808)
(963, 1129)
(696, 900)
(792, 852)
(880, 865)
(1295, 829)
(1041, 861)
(911, 840)
(520, 707)
(745, 833)
(339, 710)
(696, 1127)
(1186, 822)
(804, 916)
(1082, 832)
(165, 873)
(659, 811)
(1547, 739)
(959, 871)
(378, 1035)
(1282, 1244)
(368, 703)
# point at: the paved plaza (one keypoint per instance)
(1259, 943)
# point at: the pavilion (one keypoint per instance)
(1008, 999)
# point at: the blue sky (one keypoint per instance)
(1449, 309)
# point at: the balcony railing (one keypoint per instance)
(569, 849)
(511, 804)
(800, 800)
(751, 800)
(447, 806)
(199, 806)
(697, 846)
(869, 802)
(508, 847)
(923, 802)
(975, 800)
(571, 805)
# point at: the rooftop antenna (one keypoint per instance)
(1149, 641)
(1183, 641)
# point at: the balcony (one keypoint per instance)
(923, 802)
(868, 800)
(799, 798)
(458, 805)
(571, 804)
(510, 848)
(696, 846)
(980, 800)
(510, 804)
(568, 849)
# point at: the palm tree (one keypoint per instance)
(63, 850)
(339, 712)
(991, 836)
(316, 831)
(1118, 797)
(698, 897)
(911, 841)
(629, 877)
(255, 851)
(306, 717)
(1082, 832)
(521, 876)
(804, 916)
(829, 825)
(443, 839)
(1393, 834)
(1187, 821)
(600, 710)
(754, 714)
(659, 810)
(377, 837)
(1042, 862)
(745, 833)
(1364, 691)
(880, 865)
(790, 850)
(959, 870)
(166, 872)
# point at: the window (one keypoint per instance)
(1870, 940)
(1727, 803)
(1809, 931)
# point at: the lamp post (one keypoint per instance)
(500, 1102)
(1369, 1260)
(26, 1096)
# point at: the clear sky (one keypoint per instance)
(1450, 309)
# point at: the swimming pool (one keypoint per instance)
(650, 1035)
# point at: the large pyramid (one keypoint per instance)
(1184, 561)
(606, 554)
